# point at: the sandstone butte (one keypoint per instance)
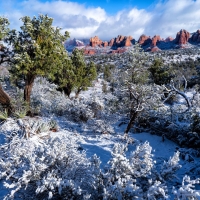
(182, 37)
(154, 40)
(196, 36)
(144, 40)
(121, 41)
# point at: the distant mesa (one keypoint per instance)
(121, 43)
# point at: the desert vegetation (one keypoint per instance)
(53, 103)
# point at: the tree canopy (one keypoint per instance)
(38, 50)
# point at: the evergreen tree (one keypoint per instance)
(85, 73)
(38, 51)
(5, 56)
(160, 74)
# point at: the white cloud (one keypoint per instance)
(166, 18)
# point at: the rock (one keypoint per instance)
(169, 39)
(95, 41)
(89, 52)
(128, 41)
(182, 37)
(196, 36)
(121, 41)
(155, 39)
(74, 43)
(111, 43)
(144, 40)
(119, 50)
(155, 49)
(105, 44)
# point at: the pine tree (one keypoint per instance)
(38, 51)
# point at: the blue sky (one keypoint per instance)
(113, 6)
(109, 18)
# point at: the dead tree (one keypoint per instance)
(136, 108)
(172, 89)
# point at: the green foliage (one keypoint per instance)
(4, 23)
(107, 73)
(38, 50)
(160, 74)
(85, 73)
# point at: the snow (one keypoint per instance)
(92, 138)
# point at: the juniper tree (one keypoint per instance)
(38, 50)
(5, 56)
(66, 78)
(85, 73)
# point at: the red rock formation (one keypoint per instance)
(155, 49)
(89, 52)
(143, 40)
(155, 39)
(127, 42)
(111, 43)
(182, 37)
(105, 44)
(169, 39)
(196, 36)
(121, 41)
(119, 50)
(95, 41)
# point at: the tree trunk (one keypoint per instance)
(28, 88)
(67, 90)
(78, 92)
(5, 100)
(132, 120)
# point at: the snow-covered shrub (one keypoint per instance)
(45, 99)
(170, 167)
(100, 126)
(157, 191)
(51, 168)
(187, 190)
(122, 180)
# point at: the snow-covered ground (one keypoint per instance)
(86, 137)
